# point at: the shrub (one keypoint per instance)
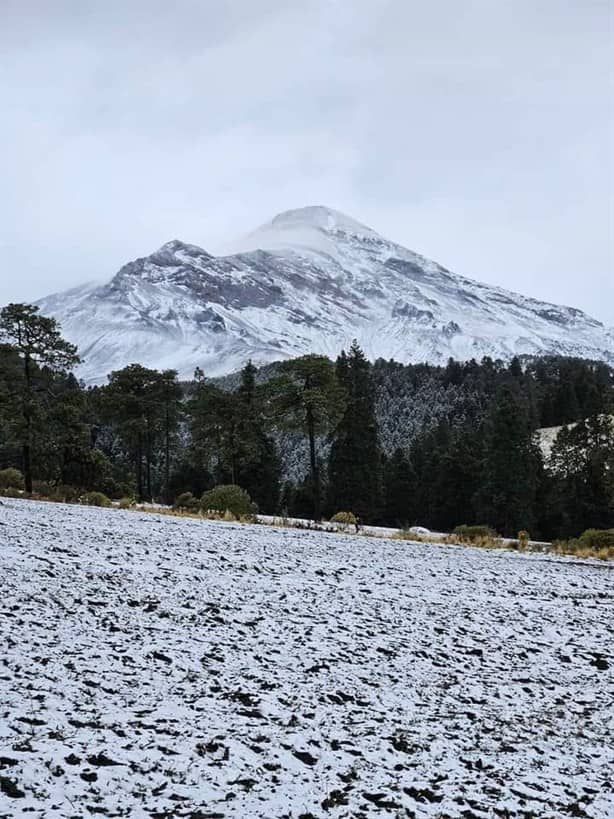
(187, 501)
(578, 548)
(11, 479)
(344, 518)
(10, 492)
(95, 499)
(65, 492)
(228, 498)
(474, 532)
(523, 538)
(43, 488)
(597, 538)
(127, 502)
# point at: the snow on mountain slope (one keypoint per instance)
(308, 281)
(155, 666)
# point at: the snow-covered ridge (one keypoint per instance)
(309, 280)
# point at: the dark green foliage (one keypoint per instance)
(354, 466)
(43, 489)
(259, 467)
(188, 476)
(347, 518)
(11, 492)
(229, 437)
(413, 397)
(187, 502)
(143, 407)
(459, 475)
(512, 464)
(597, 538)
(169, 396)
(448, 462)
(228, 498)
(11, 478)
(453, 458)
(569, 389)
(400, 487)
(95, 499)
(260, 473)
(34, 354)
(296, 500)
(581, 492)
(65, 493)
(306, 397)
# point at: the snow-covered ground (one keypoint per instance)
(155, 666)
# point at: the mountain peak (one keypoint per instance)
(171, 246)
(315, 228)
(319, 216)
(308, 281)
(177, 246)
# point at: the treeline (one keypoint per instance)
(412, 396)
(394, 444)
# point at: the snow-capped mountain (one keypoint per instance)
(308, 281)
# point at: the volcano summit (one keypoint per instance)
(310, 280)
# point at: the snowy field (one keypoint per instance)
(169, 667)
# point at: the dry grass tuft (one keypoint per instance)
(576, 549)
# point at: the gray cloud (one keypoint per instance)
(478, 133)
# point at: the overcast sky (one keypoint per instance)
(478, 132)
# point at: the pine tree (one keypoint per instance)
(170, 395)
(141, 404)
(214, 437)
(64, 450)
(515, 368)
(582, 476)
(306, 397)
(511, 467)
(399, 482)
(38, 353)
(428, 455)
(228, 434)
(450, 475)
(259, 466)
(354, 467)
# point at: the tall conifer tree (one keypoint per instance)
(306, 398)
(399, 483)
(354, 468)
(258, 465)
(38, 352)
(512, 464)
